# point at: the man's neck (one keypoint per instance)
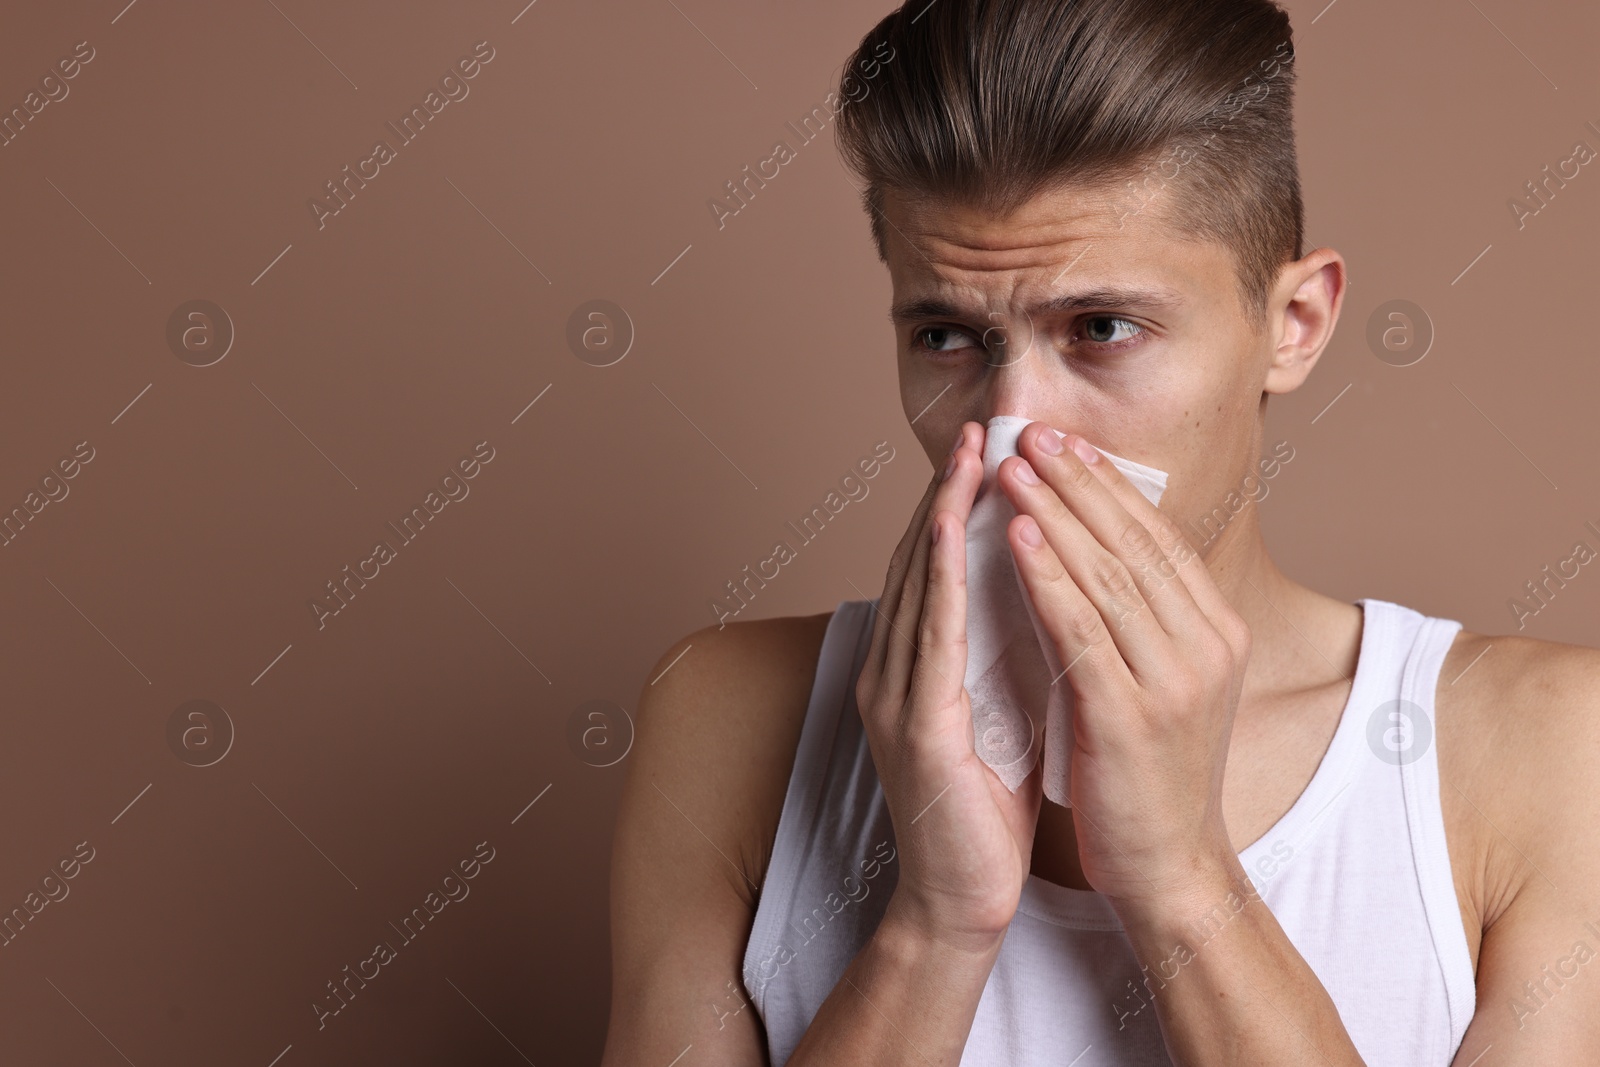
(1300, 638)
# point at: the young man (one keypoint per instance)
(1302, 831)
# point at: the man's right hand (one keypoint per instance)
(965, 841)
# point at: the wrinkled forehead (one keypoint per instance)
(1066, 250)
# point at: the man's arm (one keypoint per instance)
(715, 735)
(1245, 995)
(1538, 982)
(906, 1000)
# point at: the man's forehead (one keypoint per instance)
(1061, 251)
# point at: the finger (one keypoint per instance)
(1091, 660)
(955, 493)
(900, 565)
(1097, 575)
(1108, 507)
(1183, 571)
(940, 667)
(893, 586)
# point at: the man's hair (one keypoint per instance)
(989, 102)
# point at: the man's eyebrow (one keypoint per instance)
(1155, 297)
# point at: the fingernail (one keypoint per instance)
(1026, 475)
(1085, 450)
(949, 468)
(1030, 534)
(1049, 443)
(961, 439)
(935, 531)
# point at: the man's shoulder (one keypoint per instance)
(741, 668)
(720, 720)
(1522, 690)
(1517, 733)
(1521, 719)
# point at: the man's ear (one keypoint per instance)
(1311, 291)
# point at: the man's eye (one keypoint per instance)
(933, 338)
(1097, 325)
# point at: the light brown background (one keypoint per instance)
(428, 714)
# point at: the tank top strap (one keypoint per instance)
(833, 866)
(1415, 719)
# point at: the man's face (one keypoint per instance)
(1152, 359)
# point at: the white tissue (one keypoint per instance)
(1016, 711)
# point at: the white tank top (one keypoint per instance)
(1356, 873)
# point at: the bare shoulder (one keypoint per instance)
(1519, 734)
(720, 722)
(1521, 702)
(716, 730)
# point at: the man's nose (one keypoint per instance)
(1019, 378)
